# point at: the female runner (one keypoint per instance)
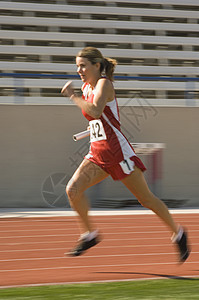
(110, 152)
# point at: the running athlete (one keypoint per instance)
(110, 152)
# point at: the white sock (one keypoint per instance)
(175, 238)
(93, 235)
(84, 235)
(89, 235)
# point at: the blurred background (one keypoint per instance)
(156, 44)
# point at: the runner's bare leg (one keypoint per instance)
(87, 175)
(136, 183)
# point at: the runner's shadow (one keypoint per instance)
(152, 274)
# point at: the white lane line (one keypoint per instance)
(104, 233)
(72, 228)
(100, 218)
(159, 277)
(99, 247)
(109, 240)
(101, 227)
(70, 213)
(97, 266)
(31, 250)
(91, 256)
(85, 257)
(60, 214)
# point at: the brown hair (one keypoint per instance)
(94, 56)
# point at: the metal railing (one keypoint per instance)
(189, 91)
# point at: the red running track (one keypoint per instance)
(132, 247)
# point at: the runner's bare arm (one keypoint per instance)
(104, 93)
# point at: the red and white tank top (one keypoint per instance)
(108, 143)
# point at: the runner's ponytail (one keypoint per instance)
(109, 67)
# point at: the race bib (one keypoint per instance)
(97, 132)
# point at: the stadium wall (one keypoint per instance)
(38, 154)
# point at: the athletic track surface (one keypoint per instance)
(135, 245)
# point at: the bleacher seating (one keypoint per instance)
(149, 38)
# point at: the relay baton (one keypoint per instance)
(81, 135)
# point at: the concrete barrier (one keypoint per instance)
(38, 154)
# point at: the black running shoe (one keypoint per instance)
(82, 246)
(183, 247)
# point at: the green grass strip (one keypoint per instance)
(174, 289)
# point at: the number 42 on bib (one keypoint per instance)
(97, 132)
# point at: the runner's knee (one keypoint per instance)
(71, 190)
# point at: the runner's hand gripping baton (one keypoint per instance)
(81, 135)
